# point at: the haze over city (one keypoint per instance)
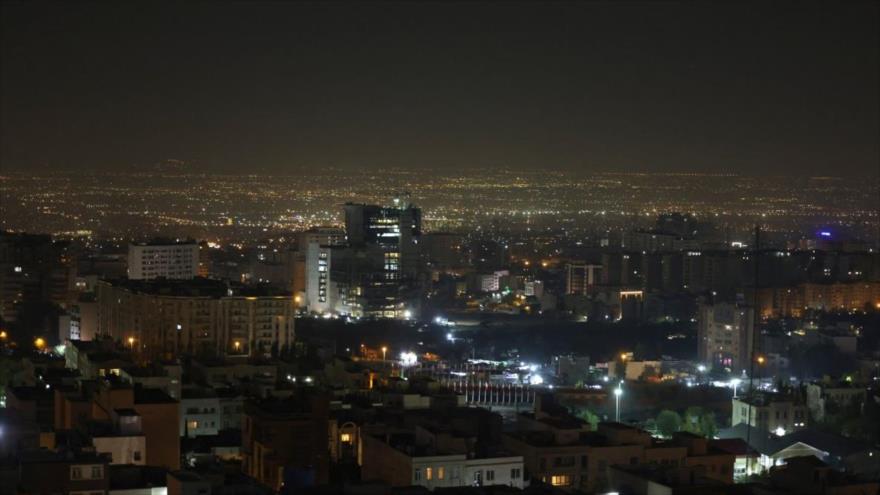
(464, 247)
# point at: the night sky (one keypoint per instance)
(605, 86)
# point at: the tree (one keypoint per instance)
(668, 422)
(589, 416)
(699, 421)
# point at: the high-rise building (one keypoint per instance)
(163, 259)
(34, 271)
(725, 335)
(580, 276)
(321, 292)
(395, 229)
(376, 272)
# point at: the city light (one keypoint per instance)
(408, 359)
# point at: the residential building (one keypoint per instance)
(580, 276)
(573, 459)
(70, 472)
(286, 440)
(725, 334)
(164, 318)
(767, 412)
(424, 458)
(163, 258)
(840, 395)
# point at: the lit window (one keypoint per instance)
(560, 480)
(441, 473)
(429, 473)
(345, 437)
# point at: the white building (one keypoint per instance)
(124, 441)
(171, 260)
(320, 291)
(769, 413)
(199, 412)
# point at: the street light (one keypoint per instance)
(236, 345)
(40, 343)
(384, 350)
(617, 393)
(735, 383)
(131, 342)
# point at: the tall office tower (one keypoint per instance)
(725, 334)
(162, 258)
(396, 230)
(378, 268)
(309, 267)
(324, 236)
(580, 276)
(321, 294)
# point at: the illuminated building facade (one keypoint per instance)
(165, 259)
(201, 316)
(376, 271)
(580, 276)
(725, 333)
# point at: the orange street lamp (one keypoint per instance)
(761, 359)
(40, 343)
(131, 342)
(3, 334)
(384, 350)
(236, 345)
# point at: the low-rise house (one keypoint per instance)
(408, 458)
(774, 413)
(824, 397)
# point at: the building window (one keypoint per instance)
(441, 473)
(345, 437)
(76, 473)
(97, 472)
(417, 474)
(490, 475)
(137, 455)
(429, 473)
(192, 424)
(515, 473)
(560, 480)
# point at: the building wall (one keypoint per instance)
(168, 325)
(781, 414)
(123, 449)
(160, 424)
(172, 261)
(725, 335)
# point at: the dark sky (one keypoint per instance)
(765, 87)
